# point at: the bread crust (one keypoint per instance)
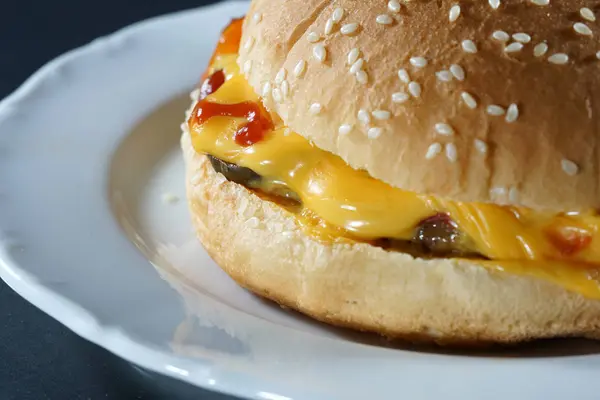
(525, 162)
(363, 287)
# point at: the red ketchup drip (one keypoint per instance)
(258, 120)
(229, 41)
(251, 132)
(569, 240)
(212, 84)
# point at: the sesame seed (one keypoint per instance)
(494, 4)
(247, 66)
(280, 76)
(384, 19)
(353, 56)
(337, 15)
(569, 167)
(374, 132)
(513, 47)
(512, 113)
(469, 46)
(300, 68)
(381, 114)
(344, 129)
(454, 13)
(598, 55)
(328, 27)
(276, 92)
(403, 75)
(443, 76)
(399, 97)
(540, 2)
(540, 49)
(497, 192)
(313, 37)
(414, 89)
(513, 194)
(418, 62)
(582, 29)
(559, 58)
(458, 72)
(249, 43)
(501, 36)
(315, 108)
(266, 89)
(495, 110)
(588, 14)
(451, 152)
(364, 117)
(357, 66)
(433, 150)
(522, 37)
(257, 17)
(320, 52)
(481, 146)
(285, 88)
(469, 100)
(394, 6)
(349, 29)
(444, 129)
(362, 77)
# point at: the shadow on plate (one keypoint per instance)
(537, 349)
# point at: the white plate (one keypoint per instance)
(83, 176)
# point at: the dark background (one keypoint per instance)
(39, 358)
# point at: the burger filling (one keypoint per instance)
(333, 201)
(435, 236)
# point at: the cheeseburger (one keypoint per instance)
(427, 170)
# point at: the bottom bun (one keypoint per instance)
(364, 287)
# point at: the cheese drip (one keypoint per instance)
(354, 204)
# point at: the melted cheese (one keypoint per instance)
(347, 202)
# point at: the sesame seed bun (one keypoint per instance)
(367, 288)
(491, 104)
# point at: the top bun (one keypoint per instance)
(503, 103)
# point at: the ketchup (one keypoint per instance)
(251, 132)
(212, 84)
(229, 41)
(568, 240)
(258, 119)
